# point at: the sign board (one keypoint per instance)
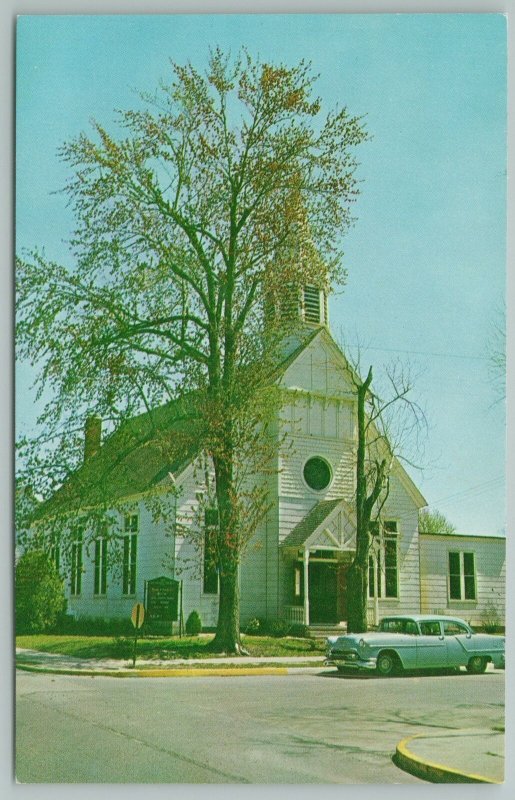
(138, 615)
(162, 600)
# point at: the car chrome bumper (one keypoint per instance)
(369, 663)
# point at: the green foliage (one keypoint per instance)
(163, 648)
(225, 187)
(275, 627)
(39, 593)
(491, 618)
(93, 626)
(301, 632)
(253, 627)
(193, 624)
(434, 522)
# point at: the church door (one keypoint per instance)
(322, 592)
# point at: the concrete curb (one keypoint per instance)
(200, 672)
(431, 771)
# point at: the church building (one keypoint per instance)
(294, 569)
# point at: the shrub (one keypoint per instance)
(490, 618)
(123, 647)
(254, 627)
(299, 631)
(39, 593)
(193, 624)
(275, 627)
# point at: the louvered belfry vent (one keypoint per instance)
(312, 305)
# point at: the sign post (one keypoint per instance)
(137, 617)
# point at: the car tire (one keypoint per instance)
(387, 664)
(477, 665)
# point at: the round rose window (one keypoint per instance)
(317, 473)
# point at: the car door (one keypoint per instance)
(457, 639)
(431, 645)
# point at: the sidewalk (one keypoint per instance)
(467, 756)
(461, 756)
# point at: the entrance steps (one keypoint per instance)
(323, 630)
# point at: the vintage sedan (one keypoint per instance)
(416, 642)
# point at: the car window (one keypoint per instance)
(399, 626)
(452, 628)
(392, 626)
(430, 628)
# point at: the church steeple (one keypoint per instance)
(296, 283)
(314, 305)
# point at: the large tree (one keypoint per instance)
(387, 423)
(193, 216)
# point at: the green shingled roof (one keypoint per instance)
(141, 453)
(303, 530)
(134, 459)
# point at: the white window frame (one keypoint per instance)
(208, 568)
(377, 562)
(100, 567)
(462, 598)
(130, 554)
(76, 564)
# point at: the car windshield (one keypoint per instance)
(408, 626)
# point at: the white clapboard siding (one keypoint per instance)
(319, 368)
(188, 549)
(490, 563)
(155, 553)
(401, 508)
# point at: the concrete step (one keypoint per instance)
(322, 631)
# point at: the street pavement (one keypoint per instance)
(457, 737)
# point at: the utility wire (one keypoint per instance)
(421, 352)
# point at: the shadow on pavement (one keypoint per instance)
(351, 674)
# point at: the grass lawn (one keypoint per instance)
(164, 647)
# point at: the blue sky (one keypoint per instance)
(426, 258)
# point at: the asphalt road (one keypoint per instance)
(321, 728)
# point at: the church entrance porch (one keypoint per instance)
(319, 588)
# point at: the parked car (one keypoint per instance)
(416, 642)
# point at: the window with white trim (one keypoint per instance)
(100, 566)
(383, 568)
(54, 556)
(462, 576)
(210, 571)
(76, 564)
(130, 553)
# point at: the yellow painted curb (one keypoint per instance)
(193, 673)
(159, 673)
(431, 771)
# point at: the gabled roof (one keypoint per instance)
(307, 526)
(138, 456)
(148, 448)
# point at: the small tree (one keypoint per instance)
(39, 593)
(434, 522)
(193, 624)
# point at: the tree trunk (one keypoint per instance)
(227, 638)
(357, 591)
(357, 582)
